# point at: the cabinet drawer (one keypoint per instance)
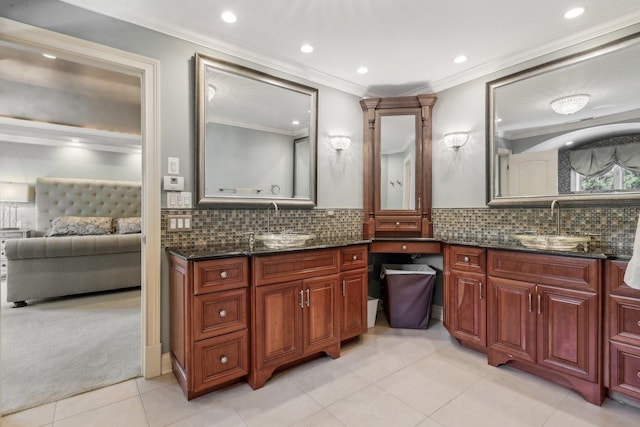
(405, 247)
(555, 270)
(465, 258)
(295, 265)
(220, 274)
(624, 319)
(625, 369)
(398, 224)
(220, 360)
(353, 257)
(219, 313)
(615, 279)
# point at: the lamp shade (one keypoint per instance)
(14, 192)
(340, 142)
(455, 140)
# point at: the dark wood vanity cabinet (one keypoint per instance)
(543, 315)
(353, 291)
(623, 332)
(465, 292)
(397, 166)
(295, 310)
(209, 306)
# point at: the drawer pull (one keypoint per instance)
(355, 258)
(223, 274)
(480, 290)
(539, 304)
(529, 302)
(638, 374)
(638, 322)
(344, 287)
(466, 259)
(404, 247)
(308, 299)
(223, 313)
(224, 360)
(398, 224)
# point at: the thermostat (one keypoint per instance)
(173, 183)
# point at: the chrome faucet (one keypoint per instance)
(275, 215)
(556, 206)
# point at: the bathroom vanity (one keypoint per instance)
(566, 317)
(244, 314)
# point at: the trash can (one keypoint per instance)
(408, 292)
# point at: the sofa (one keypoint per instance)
(86, 240)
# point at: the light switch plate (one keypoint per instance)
(173, 166)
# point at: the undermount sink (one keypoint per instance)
(554, 242)
(285, 239)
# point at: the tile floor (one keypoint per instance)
(390, 377)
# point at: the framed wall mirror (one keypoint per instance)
(567, 130)
(256, 137)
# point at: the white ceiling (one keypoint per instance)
(407, 45)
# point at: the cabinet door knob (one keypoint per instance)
(355, 258)
(223, 313)
(638, 322)
(404, 247)
(398, 224)
(466, 259)
(638, 374)
(224, 360)
(223, 274)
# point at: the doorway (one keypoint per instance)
(147, 70)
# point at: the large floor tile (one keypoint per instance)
(148, 384)
(574, 411)
(278, 403)
(128, 412)
(372, 407)
(167, 405)
(35, 417)
(319, 419)
(217, 415)
(95, 399)
(325, 380)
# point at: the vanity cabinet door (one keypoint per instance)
(354, 304)
(321, 315)
(568, 331)
(467, 307)
(511, 321)
(278, 322)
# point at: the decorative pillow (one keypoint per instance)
(80, 225)
(128, 225)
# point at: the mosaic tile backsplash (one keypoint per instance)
(612, 227)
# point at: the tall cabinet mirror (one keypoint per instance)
(397, 172)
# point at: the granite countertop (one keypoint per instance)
(214, 250)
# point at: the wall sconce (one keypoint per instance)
(455, 140)
(10, 195)
(569, 104)
(339, 142)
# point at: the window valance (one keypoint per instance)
(596, 161)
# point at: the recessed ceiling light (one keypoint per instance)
(306, 48)
(295, 122)
(75, 140)
(48, 55)
(574, 13)
(460, 59)
(362, 70)
(229, 17)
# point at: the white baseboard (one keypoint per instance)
(166, 364)
(436, 312)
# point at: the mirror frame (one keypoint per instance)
(573, 199)
(202, 62)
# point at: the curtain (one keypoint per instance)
(596, 161)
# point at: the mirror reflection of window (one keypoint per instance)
(397, 162)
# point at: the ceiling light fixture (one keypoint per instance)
(211, 92)
(306, 48)
(568, 143)
(574, 13)
(49, 56)
(340, 142)
(569, 104)
(362, 70)
(229, 17)
(295, 122)
(460, 59)
(455, 140)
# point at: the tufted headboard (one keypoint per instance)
(85, 197)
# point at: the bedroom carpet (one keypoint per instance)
(60, 347)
